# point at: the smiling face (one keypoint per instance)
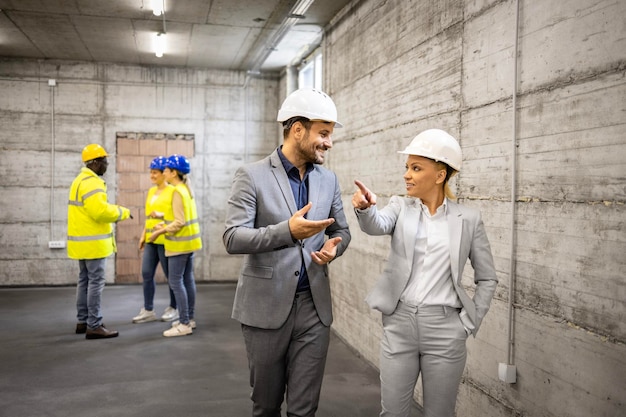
(311, 145)
(157, 177)
(424, 178)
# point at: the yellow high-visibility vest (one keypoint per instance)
(161, 203)
(187, 239)
(89, 218)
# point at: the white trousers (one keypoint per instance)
(428, 340)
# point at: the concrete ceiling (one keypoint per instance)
(214, 34)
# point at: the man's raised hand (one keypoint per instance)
(327, 253)
(301, 228)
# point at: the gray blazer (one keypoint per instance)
(468, 239)
(259, 209)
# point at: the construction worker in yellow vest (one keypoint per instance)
(90, 239)
(158, 203)
(182, 238)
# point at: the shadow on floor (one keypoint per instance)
(48, 370)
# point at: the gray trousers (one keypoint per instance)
(431, 341)
(290, 359)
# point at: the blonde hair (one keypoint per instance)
(185, 179)
(450, 172)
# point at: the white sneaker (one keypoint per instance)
(178, 330)
(144, 316)
(192, 323)
(169, 314)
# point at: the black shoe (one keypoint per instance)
(100, 333)
(81, 328)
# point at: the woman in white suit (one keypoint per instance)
(427, 314)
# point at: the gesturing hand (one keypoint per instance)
(363, 197)
(157, 231)
(327, 253)
(302, 228)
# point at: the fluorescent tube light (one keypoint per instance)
(159, 44)
(158, 7)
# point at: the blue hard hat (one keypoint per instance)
(179, 163)
(158, 163)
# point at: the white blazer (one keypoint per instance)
(468, 239)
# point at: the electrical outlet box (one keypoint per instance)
(56, 244)
(52, 82)
(507, 373)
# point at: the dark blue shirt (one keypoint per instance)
(300, 189)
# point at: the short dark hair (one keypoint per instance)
(287, 124)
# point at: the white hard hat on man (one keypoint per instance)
(310, 103)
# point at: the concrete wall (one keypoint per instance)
(91, 103)
(397, 67)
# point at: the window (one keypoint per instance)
(310, 72)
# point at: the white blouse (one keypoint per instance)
(431, 279)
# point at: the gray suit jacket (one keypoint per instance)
(259, 209)
(468, 239)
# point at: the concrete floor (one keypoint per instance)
(48, 370)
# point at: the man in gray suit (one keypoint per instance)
(279, 212)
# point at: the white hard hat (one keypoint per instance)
(310, 103)
(438, 145)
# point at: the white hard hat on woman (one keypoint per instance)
(437, 145)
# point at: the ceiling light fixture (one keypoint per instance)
(158, 7)
(159, 44)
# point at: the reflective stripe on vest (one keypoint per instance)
(184, 238)
(76, 202)
(188, 238)
(85, 238)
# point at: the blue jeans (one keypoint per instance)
(183, 284)
(152, 255)
(89, 291)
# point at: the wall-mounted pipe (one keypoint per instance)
(291, 77)
(511, 311)
(295, 14)
(52, 83)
